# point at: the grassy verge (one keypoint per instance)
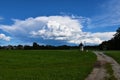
(114, 54)
(110, 72)
(45, 65)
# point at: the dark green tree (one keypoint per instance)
(112, 44)
(20, 47)
(35, 45)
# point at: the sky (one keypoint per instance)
(58, 22)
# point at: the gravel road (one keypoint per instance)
(99, 71)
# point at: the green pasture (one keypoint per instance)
(45, 64)
(114, 54)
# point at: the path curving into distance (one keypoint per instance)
(99, 71)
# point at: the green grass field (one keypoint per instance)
(114, 54)
(45, 65)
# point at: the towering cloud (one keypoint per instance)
(62, 28)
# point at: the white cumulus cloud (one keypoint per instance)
(63, 28)
(92, 38)
(4, 37)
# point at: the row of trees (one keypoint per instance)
(113, 44)
(36, 46)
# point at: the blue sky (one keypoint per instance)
(58, 22)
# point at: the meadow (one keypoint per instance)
(45, 64)
(114, 54)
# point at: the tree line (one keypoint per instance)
(36, 46)
(112, 44)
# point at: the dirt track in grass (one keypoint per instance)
(99, 72)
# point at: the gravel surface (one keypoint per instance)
(99, 71)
